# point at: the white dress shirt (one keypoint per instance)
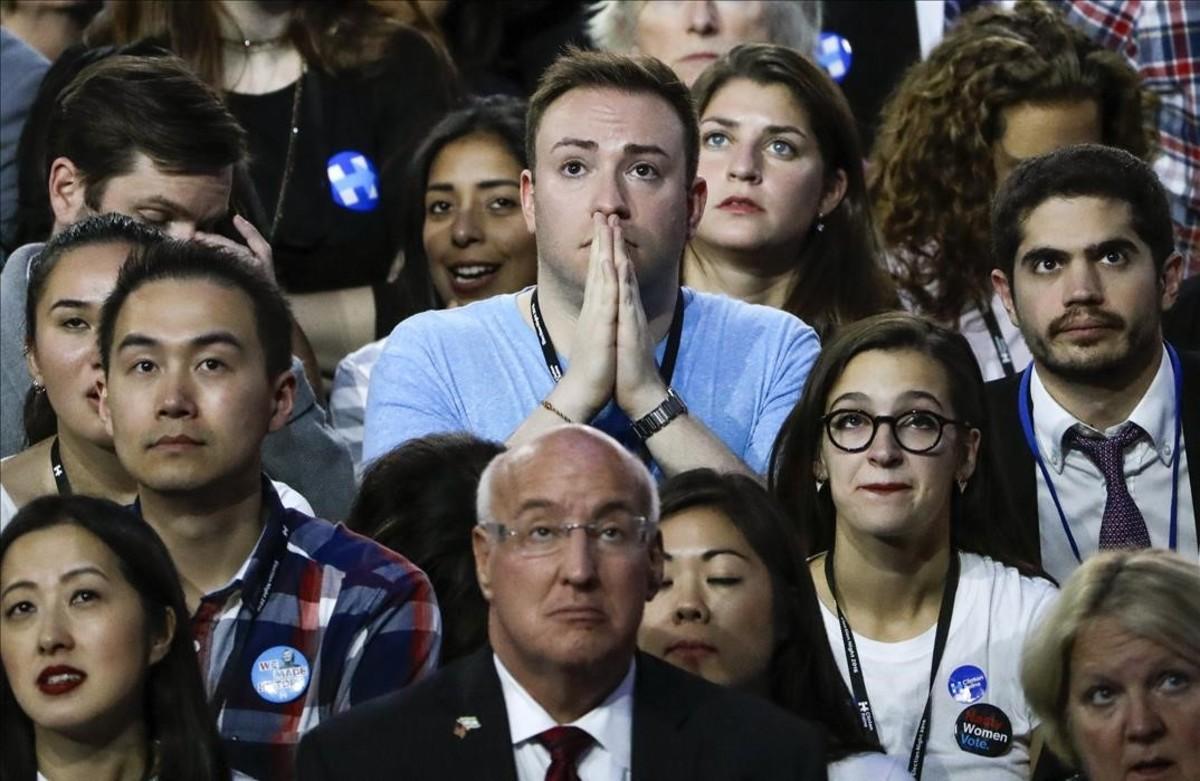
(610, 724)
(1080, 485)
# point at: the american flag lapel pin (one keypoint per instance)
(464, 724)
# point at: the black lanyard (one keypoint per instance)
(666, 370)
(59, 471)
(916, 759)
(993, 326)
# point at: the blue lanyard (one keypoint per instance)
(1026, 415)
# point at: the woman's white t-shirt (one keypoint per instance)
(980, 724)
(868, 765)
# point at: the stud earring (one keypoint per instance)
(820, 222)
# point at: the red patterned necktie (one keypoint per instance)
(566, 745)
(1122, 525)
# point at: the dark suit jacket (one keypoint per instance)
(1016, 470)
(683, 728)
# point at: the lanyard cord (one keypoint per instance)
(916, 759)
(993, 326)
(1025, 413)
(550, 354)
(61, 481)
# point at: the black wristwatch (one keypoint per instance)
(657, 419)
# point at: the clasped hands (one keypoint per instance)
(612, 352)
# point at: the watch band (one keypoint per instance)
(657, 419)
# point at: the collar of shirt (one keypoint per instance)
(610, 723)
(1154, 414)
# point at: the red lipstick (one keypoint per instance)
(60, 679)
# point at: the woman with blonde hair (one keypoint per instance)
(1113, 671)
(688, 36)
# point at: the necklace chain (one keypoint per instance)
(290, 157)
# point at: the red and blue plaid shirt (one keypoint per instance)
(1161, 38)
(364, 618)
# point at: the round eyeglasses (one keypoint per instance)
(622, 535)
(918, 431)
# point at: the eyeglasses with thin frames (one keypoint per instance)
(616, 536)
(916, 431)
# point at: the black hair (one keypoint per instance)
(183, 738)
(419, 500)
(500, 116)
(39, 418)
(979, 524)
(191, 260)
(1084, 170)
(803, 677)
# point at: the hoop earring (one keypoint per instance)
(820, 485)
(962, 486)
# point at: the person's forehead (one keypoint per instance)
(569, 472)
(1073, 223)
(177, 309)
(201, 195)
(612, 117)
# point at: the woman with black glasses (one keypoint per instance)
(882, 466)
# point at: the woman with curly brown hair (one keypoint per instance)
(1004, 86)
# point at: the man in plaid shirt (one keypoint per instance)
(1161, 38)
(294, 619)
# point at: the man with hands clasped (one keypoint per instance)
(607, 337)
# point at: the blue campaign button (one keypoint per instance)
(967, 684)
(353, 181)
(280, 674)
(834, 54)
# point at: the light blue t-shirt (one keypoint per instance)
(480, 369)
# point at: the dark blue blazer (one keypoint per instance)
(683, 728)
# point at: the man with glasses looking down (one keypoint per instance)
(567, 552)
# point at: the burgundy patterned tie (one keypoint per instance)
(566, 746)
(1122, 525)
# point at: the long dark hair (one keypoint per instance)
(496, 115)
(179, 724)
(803, 676)
(419, 500)
(979, 524)
(839, 276)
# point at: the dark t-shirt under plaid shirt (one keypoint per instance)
(318, 619)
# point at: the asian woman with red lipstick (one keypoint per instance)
(99, 678)
(787, 222)
(882, 465)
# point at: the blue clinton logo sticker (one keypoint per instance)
(967, 684)
(280, 674)
(353, 181)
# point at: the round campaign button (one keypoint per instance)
(834, 54)
(280, 674)
(353, 181)
(984, 730)
(967, 684)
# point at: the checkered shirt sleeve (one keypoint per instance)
(1161, 38)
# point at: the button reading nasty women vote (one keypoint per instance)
(353, 181)
(984, 730)
(967, 684)
(280, 674)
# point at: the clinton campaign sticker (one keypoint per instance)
(834, 54)
(353, 181)
(967, 684)
(984, 730)
(280, 674)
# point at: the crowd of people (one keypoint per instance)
(369, 411)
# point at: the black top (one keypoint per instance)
(382, 112)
